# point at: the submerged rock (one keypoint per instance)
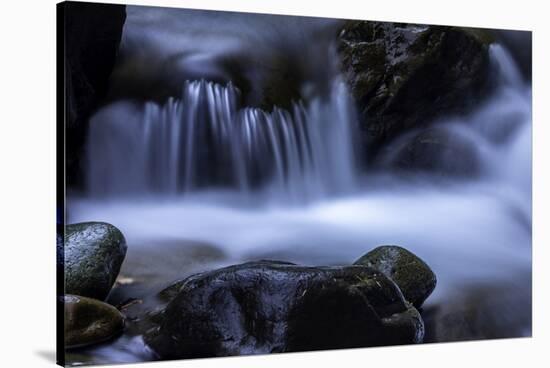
(93, 254)
(89, 321)
(413, 276)
(269, 306)
(403, 76)
(482, 310)
(435, 151)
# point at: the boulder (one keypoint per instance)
(89, 321)
(404, 76)
(413, 276)
(93, 253)
(269, 306)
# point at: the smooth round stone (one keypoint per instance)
(93, 253)
(89, 321)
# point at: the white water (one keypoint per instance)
(184, 145)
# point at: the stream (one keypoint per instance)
(290, 188)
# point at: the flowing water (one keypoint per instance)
(286, 185)
(206, 138)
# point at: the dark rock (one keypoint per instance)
(403, 76)
(268, 306)
(92, 34)
(93, 254)
(413, 276)
(433, 150)
(89, 321)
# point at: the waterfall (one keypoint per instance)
(204, 138)
(203, 179)
(502, 126)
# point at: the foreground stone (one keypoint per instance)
(413, 276)
(268, 306)
(404, 76)
(89, 321)
(93, 254)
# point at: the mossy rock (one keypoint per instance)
(92, 255)
(89, 321)
(413, 276)
(405, 76)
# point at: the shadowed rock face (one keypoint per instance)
(268, 306)
(403, 76)
(92, 37)
(93, 254)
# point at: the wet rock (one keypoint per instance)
(435, 151)
(404, 76)
(413, 276)
(89, 321)
(269, 306)
(93, 254)
(92, 34)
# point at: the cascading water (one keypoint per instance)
(204, 138)
(284, 185)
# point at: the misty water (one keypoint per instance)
(293, 188)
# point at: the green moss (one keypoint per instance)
(412, 275)
(406, 76)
